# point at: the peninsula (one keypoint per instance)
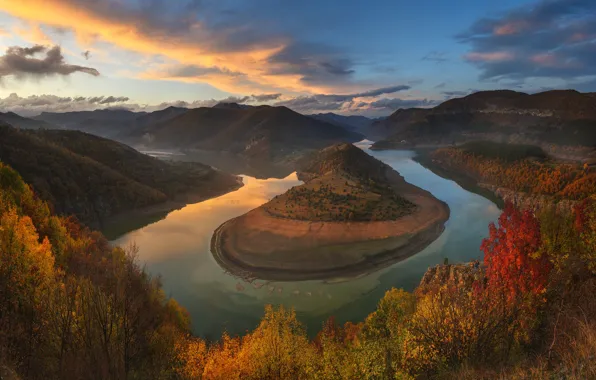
(353, 214)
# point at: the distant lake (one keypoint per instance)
(177, 249)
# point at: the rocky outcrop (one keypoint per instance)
(527, 201)
(458, 275)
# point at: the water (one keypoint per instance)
(177, 249)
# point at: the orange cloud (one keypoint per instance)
(33, 33)
(496, 56)
(252, 64)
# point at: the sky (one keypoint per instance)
(349, 57)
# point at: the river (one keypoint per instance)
(177, 249)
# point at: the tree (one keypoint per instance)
(516, 270)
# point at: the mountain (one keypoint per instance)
(103, 122)
(233, 106)
(95, 178)
(109, 123)
(353, 122)
(263, 132)
(23, 122)
(561, 117)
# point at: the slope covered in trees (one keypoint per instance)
(519, 168)
(263, 132)
(74, 307)
(95, 178)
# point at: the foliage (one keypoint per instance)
(503, 151)
(74, 307)
(516, 271)
(94, 178)
(561, 180)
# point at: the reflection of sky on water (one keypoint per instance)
(177, 248)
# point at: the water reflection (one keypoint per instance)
(177, 248)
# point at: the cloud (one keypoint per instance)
(232, 51)
(396, 103)
(436, 57)
(263, 98)
(459, 93)
(86, 54)
(332, 102)
(22, 62)
(440, 85)
(35, 104)
(364, 102)
(553, 39)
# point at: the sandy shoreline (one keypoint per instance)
(262, 245)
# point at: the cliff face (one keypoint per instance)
(457, 275)
(532, 202)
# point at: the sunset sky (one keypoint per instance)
(351, 57)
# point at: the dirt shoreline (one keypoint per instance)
(261, 245)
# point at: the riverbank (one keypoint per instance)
(262, 245)
(467, 182)
(122, 223)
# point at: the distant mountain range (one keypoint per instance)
(278, 134)
(355, 123)
(25, 123)
(553, 117)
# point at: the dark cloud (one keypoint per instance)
(316, 63)
(550, 39)
(235, 99)
(455, 93)
(459, 93)
(190, 71)
(23, 62)
(436, 57)
(440, 85)
(396, 103)
(265, 97)
(86, 54)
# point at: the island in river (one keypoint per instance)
(352, 215)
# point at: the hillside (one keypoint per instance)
(265, 133)
(23, 122)
(520, 174)
(102, 122)
(352, 214)
(95, 178)
(552, 117)
(342, 183)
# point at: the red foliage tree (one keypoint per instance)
(514, 266)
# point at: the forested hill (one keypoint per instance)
(263, 132)
(95, 178)
(343, 158)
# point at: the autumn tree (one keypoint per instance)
(516, 270)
